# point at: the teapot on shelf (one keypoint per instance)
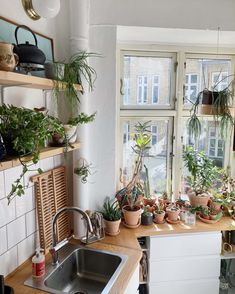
(28, 53)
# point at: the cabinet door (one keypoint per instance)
(180, 245)
(133, 285)
(185, 287)
(187, 268)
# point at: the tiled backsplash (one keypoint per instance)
(18, 226)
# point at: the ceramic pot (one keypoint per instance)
(159, 217)
(8, 59)
(70, 133)
(216, 206)
(149, 201)
(198, 200)
(112, 227)
(131, 217)
(173, 214)
(147, 220)
(54, 71)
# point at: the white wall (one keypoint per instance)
(18, 236)
(189, 14)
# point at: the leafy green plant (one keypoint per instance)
(76, 71)
(159, 209)
(146, 211)
(203, 174)
(82, 118)
(24, 133)
(111, 211)
(221, 106)
(142, 137)
(83, 171)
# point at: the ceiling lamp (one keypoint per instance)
(36, 9)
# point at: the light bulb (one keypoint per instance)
(46, 8)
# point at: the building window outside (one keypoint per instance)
(154, 134)
(219, 80)
(126, 97)
(155, 89)
(191, 87)
(142, 89)
(216, 144)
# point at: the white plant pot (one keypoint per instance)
(71, 133)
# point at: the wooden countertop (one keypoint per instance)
(127, 244)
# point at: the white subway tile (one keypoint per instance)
(31, 222)
(2, 185)
(7, 212)
(3, 240)
(47, 164)
(16, 231)
(26, 248)
(11, 175)
(58, 160)
(8, 261)
(25, 203)
(29, 174)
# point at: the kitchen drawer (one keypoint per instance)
(210, 286)
(179, 245)
(187, 268)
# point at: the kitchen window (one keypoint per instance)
(220, 80)
(164, 80)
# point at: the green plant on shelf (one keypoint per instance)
(24, 132)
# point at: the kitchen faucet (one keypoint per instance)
(57, 246)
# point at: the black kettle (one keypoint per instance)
(28, 53)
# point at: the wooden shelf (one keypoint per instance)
(45, 153)
(8, 78)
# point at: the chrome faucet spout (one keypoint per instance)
(56, 247)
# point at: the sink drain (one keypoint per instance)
(80, 292)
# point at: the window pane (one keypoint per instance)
(144, 73)
(205, 143)
(157, 162)
(205, 73)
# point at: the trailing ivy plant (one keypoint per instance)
(82, 118)
(83, 170)
(24, 132)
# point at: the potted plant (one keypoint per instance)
(112, 217)
(76, 71)
(203, 176)
(83, 170)
(146, 217)
(24, 132)
(71, 127)
(159, 214)
(148, 199)
(216, 103)
(164, 200)
(130, 196)
(173, 213)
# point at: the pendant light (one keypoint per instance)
(36, 9)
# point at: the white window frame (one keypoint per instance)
(177, 111)
(216, 138)
(157, 85)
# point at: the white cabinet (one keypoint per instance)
(133, 285)
(185, 263)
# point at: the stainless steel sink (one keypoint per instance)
(81, 270)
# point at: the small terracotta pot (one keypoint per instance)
(198, 200)
(149, 201)
(216, 206)
(112, 227)
(159, 217)
(173, 214)
(131, 217)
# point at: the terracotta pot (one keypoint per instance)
(112, 227)
(71, 133)
(173, 214)
(8, 59)
(216, 206)
(149, 201)
(198, 200)
(132, 217)
(159, 217)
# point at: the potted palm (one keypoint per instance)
(130, 196)
(203, 176)
(24, 132)
(112, 217)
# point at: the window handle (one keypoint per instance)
(121, 87)
(184, 93)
